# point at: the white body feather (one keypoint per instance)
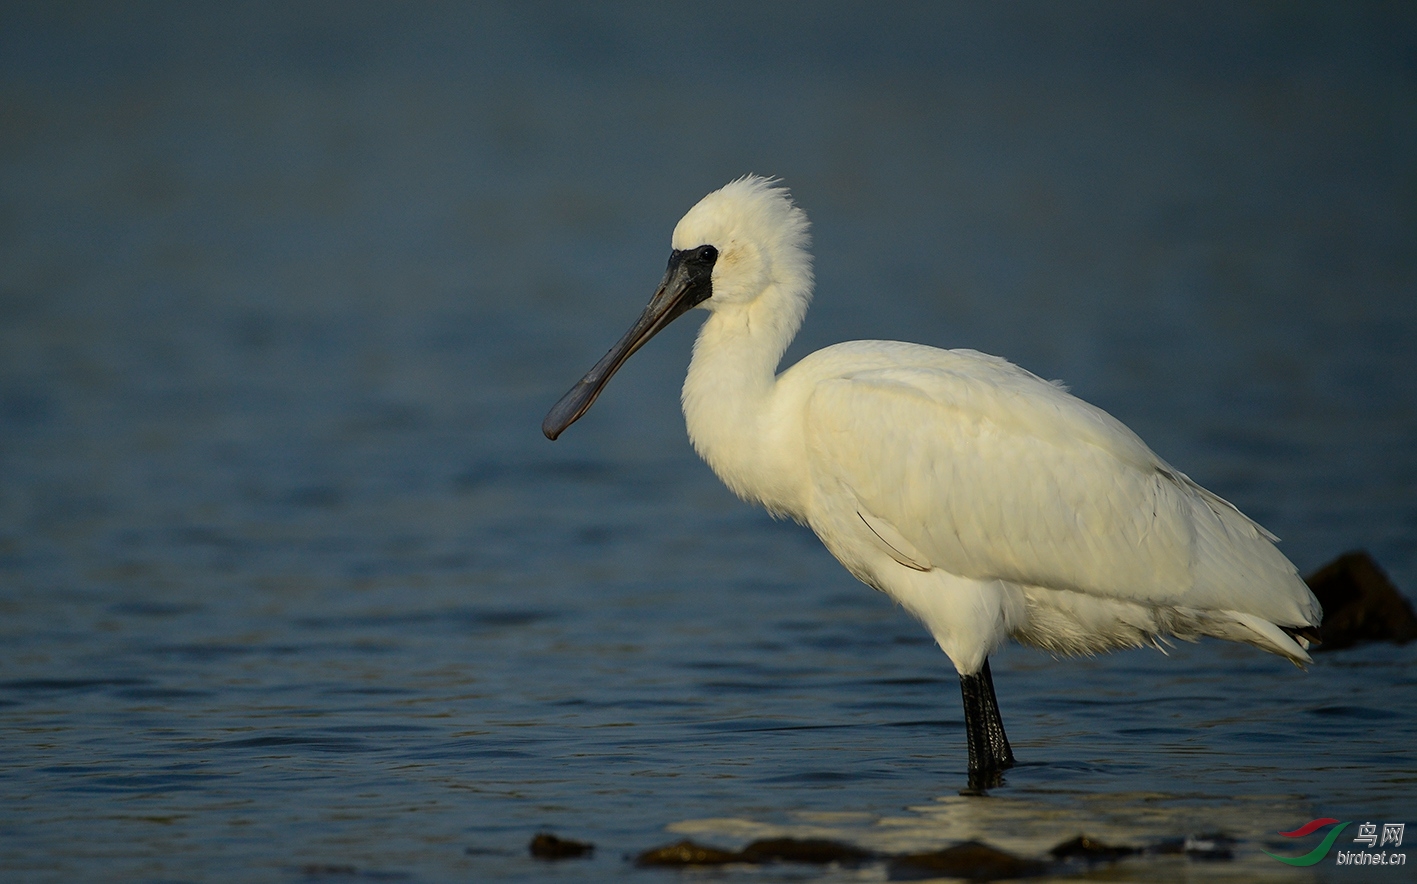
(988, 502)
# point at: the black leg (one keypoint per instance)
(989, 751)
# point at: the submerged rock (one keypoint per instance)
(819, 851)
(972, 860)
(969, 860)
(688, 853)
(548, 846)
(1084, 848)
(1360, 604)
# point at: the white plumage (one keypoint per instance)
(988, 502)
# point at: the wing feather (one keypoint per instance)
(992, 473)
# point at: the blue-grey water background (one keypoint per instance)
(291, 585)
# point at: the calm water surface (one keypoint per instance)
(291, 587)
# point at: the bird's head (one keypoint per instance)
(742, 240)
(759, 237)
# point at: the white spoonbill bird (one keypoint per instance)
(986, 501)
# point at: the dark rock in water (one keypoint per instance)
(1360, 604)
(819, 851)
(687, 853)
(1083, 847)
(805, 850)
(548, 846)
(972, 860)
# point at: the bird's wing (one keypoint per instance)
(986, 471)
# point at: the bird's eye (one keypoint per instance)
(707, 253)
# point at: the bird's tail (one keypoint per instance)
(1237, 626)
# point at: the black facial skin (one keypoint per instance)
(688, 282)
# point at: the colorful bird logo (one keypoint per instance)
(1318, 853)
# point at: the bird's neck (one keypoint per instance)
(729, 396)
